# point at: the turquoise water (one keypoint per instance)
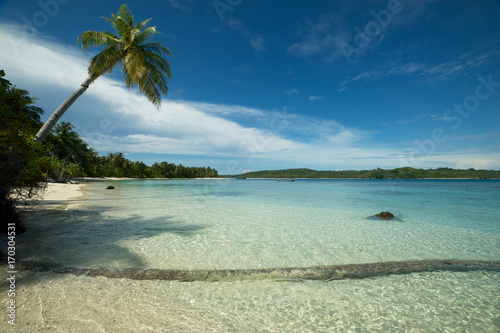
(245, 224)
(225, 224)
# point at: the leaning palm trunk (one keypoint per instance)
(143, 62)
(58, 113)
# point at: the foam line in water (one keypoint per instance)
(327, 273)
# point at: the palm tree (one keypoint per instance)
(4, 84)
(21, 102)
(142, 61)
(17, 104)
(66, 144)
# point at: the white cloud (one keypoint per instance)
(315, 98)
(243, 68)
(321, 38)
(460, 160)
(256, 41)
(292, 92)
(327, 35)
(422, 71)
(188, 128)
(25, 58)
(175, 4)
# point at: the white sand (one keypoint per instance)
(56, 191)
(58, 194)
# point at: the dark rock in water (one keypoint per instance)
(385, 216)
(110, 188)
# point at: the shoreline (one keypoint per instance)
(91, 179)
(63, 193)
(274, 178)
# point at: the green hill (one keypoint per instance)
(399, 173)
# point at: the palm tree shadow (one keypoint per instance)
(92, 238)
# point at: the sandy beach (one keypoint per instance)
(57, 196)
(61, 193)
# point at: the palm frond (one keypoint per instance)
(105, 61)
(150, 80)
(149, 88)
(152, 84)
(134, 66)
(110, 39)
(34, 114)
(143, 24)
(125, 13)
(142, 59)
(95, 38)
(122, 22)
(158, 62)
(157, 48)
(143, 36)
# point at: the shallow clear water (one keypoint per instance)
(219, 224)
(215, 224)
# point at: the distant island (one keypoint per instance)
(399, 173)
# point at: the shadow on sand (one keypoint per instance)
(90, 237)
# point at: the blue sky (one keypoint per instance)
(328, 85)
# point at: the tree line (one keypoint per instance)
(398, 173)
(71, 157)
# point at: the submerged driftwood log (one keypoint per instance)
(327, 273)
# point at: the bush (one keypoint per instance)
(21, 178)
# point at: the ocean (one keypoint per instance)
(247, 251)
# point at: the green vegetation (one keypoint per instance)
(70, 157)
(26, 164)
(116, 165)
(399, 173)
(143, 61)
(21, 176)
